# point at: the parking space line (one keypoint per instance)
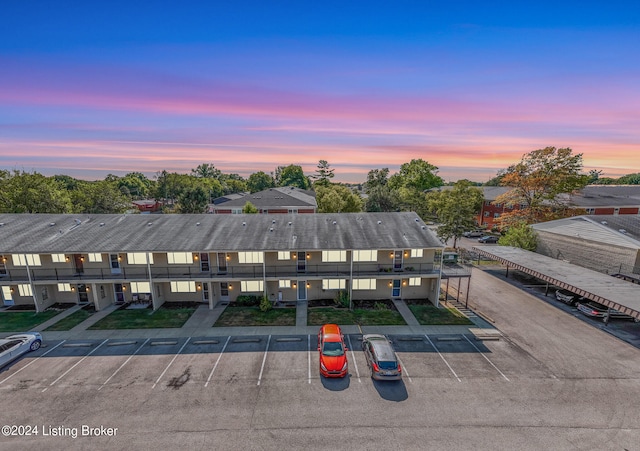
(443, 359)
(309, 343)
(353, 357)
(487, 359)
(218, 360)
(404, 369)
(76, 364)
(264, 359)
(125, 362)
(172, 360)
(33, 361)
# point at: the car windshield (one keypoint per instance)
(332, 348)
(387, 365)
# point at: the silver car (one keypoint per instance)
(14, 346)
(381, 358)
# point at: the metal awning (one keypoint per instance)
(614, 293)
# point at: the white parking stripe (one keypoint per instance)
(353, 358)
(309, 343)
(218, 360)
(487, 359)
(264, 359)
(443, 359)
(32, 362)
(125, 362)
(172, 360)
(404, 369)
(76, 364)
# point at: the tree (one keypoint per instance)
(456, 209)
(24, 192)
(137, 184)
(629, 179)
(337, 199)
(193, 200)
(259, 181)
(206, 171)
(537, 180)
(520, 235)
(418, 175)
(249, 208)
(382, 198)
(100, 197)
(233, 183)
(291, 175)
(376, 178)
(323, 174)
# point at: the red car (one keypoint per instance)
(333, 352)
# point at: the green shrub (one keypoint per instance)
(265, 304)
(380, 306)
(248, 300)
(342, 299)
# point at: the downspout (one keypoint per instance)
(351, 283)
(33, 291)
(153, 297)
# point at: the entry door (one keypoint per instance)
(302, 290)
(397, 260)
(302, 261)
(224, 291)
(204, 262)
(115, 264)
(205, 292)
(117, 288)
(78, 261)
(83, 296)
(395, 291)
(222, 263)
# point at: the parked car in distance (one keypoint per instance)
(381, 358)
(488, 239)
(566, 296)
(14, 346)
(473, 234)
(333, 352)
(597, 310)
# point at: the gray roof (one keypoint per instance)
(610, 291)
(287, 196)
(617, 230)
(605, 196)
(50, 233)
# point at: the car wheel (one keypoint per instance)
(35, 345)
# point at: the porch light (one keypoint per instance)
(404, 283)
(308, 256)
(119, 258)
(391, 254)
(295, 256)
(195, 257)
(88, 289)
(406, 254)
(124, 288)
(308, 285)
(12, 290)
(390, 284)
(67, 258)
(294, 285)
(228, 257)
(230, 287)
(81, 259)
(199, 287)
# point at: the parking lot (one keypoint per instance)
(169, 364)
(550, 380)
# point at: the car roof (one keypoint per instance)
(331, 332)
(382, 347)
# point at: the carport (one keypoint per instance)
(607, 290)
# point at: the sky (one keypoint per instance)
(93, 88)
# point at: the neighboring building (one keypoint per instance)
(607, 243)
(147, 205)
(286, 199)
(103, 259)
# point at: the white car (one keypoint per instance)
(14, 346)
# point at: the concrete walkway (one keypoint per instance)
(301, 314)
(59, 316)
(407, 314)
(94, 318)
(204, 317)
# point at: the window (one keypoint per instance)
(414, 281)
(247, 286)
(416, 253)
(284, 284)
(64, 287)
(487, 202)
(140, 287)
(6, 293)
(496, 215)
(365, 256)
(364, 284)
(139, 258)
(236, 211)
(333, 284)
(25, 289)
(179, 258)
(284, 255)
(334, 256)
(591, 211)
(95, 257)
(187, 286)
(250, 257)
(3, 268)
(58, 258)
(26, 259)
(486, 214)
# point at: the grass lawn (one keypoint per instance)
(70, 321)
(364, 317)
(429, 315)
(144, 319)
(23, 321)
(252, 316)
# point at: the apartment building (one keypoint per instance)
(106, 259)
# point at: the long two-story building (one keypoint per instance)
(106, 259)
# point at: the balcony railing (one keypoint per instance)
(232, 272)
